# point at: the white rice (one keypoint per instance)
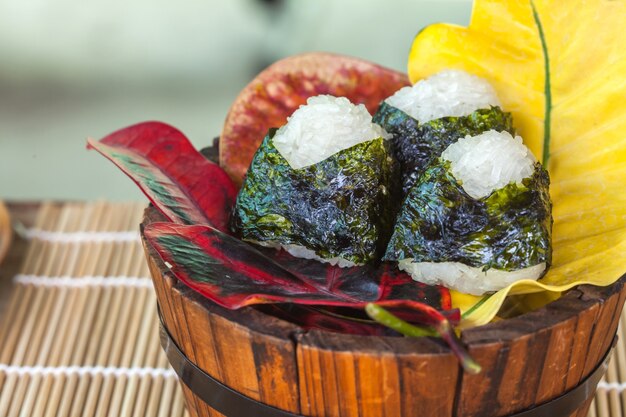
(489, 161)
(302, 252)
(323, 127)
(467, 279)
(447, 93)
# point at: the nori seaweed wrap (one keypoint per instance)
(446, 114)
(474, 244)
(337, 210)
(415, 145)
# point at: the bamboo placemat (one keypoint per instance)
(78, 324)
(79, 328)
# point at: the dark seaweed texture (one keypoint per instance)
(338, 207)
(439, 222)
(415, 145)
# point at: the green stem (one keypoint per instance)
(387, 319)
(547, 89)
(443, 329)
(475, 306)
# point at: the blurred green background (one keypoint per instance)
(70, 69)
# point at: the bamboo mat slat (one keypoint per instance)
(78, 325)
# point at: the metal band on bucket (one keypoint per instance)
(234, 404)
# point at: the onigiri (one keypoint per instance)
(320, 187)
(478, 218)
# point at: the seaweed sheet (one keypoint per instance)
(339, 207)
(508, 230)
(415, 145)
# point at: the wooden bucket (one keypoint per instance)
(246, 363)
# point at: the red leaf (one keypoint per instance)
(234, 274)
(178, 180)
(279, 90)
(373, 283)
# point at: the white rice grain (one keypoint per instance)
(489, 161)
(323, 127)
(302, 252)
(447, 93)
(467, 279)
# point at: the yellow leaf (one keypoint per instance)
(560, 68)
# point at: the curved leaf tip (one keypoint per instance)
(178, 180)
